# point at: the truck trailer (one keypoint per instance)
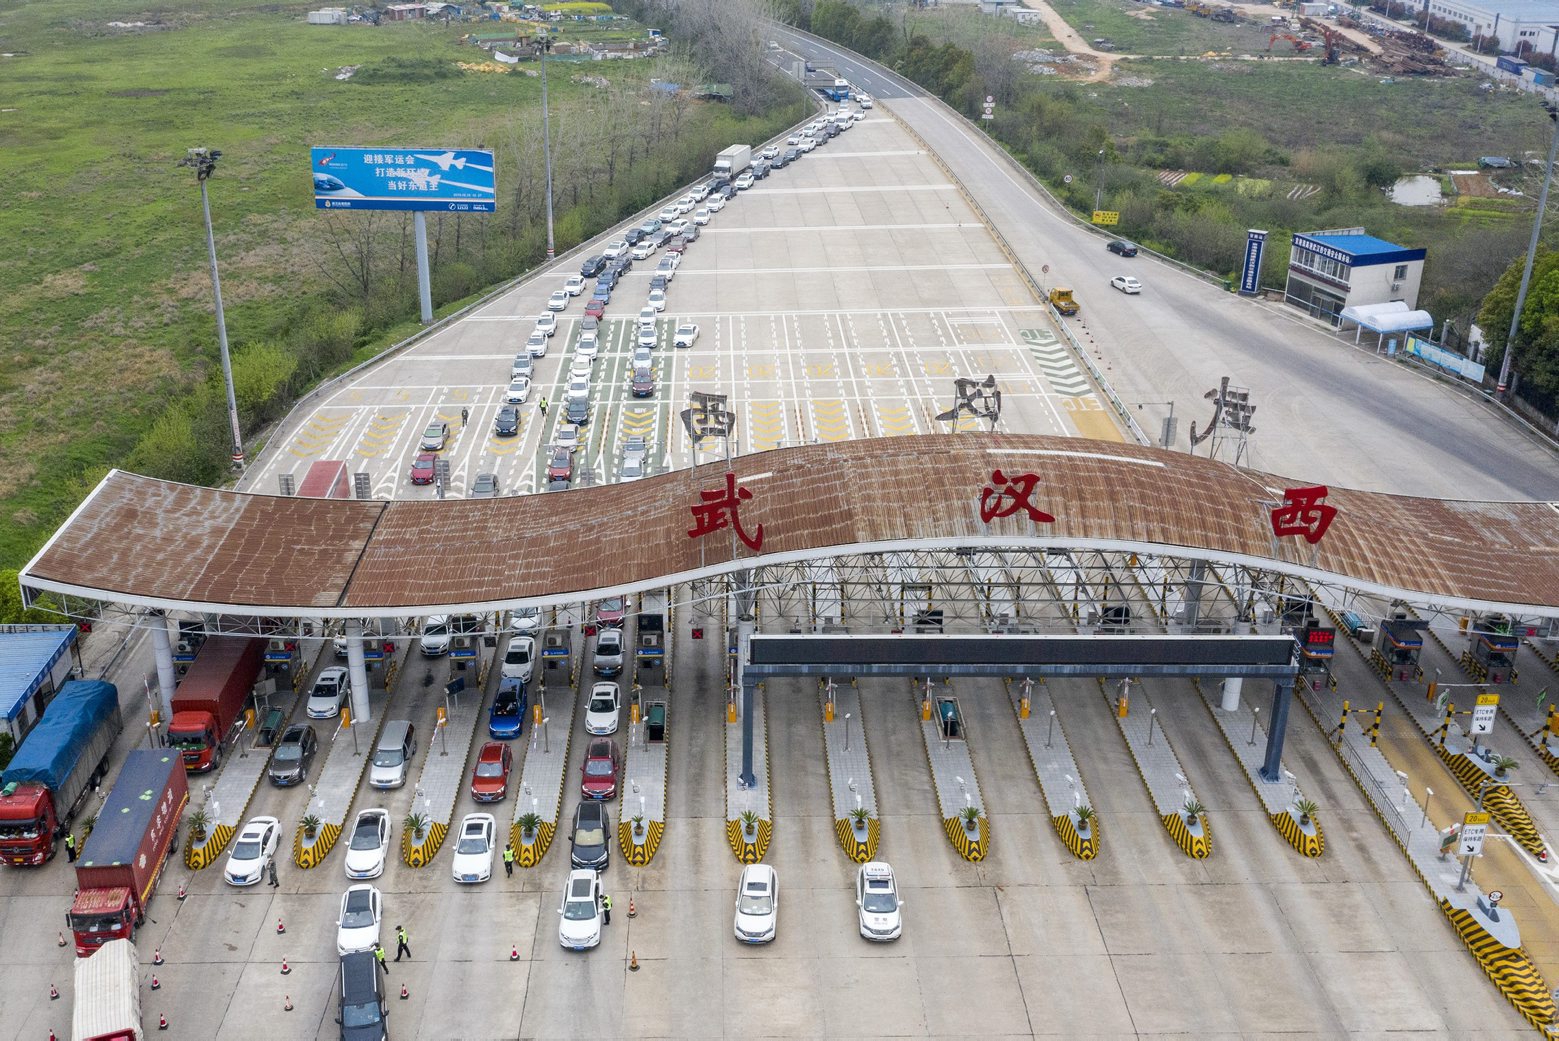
(211, 698)
(124, 855)
(61, 760)
(108, 995)
(732, 161)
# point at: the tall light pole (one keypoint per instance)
(543, 46)
(204, 162)
(1098, 195)
(1526, 271)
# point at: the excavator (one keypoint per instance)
(1332, 39)
(1300, 46)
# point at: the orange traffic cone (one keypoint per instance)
(287, 1003)
(285, 968)
(54, 992)
(633, 962)
(156, 955)
(633, 912)
(404, 992)
(156, 983)
(514, 953)
(62, 939)
(162, 1022)
(279, 927)
(182, 891)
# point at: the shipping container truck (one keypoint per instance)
(123, 857)
(732, 161)
(211, 697)
(108, 995)
(61, 760)
(326, 479)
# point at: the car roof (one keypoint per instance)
(492, 750)
(295, 731)
(600, 746)
(591, 812)
(580, 884)
(759, 876)
(258, 824)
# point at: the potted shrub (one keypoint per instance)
(971, 816)
(310, 824)
(1084, 815)
(1193, 811)
(749, 821)
(87, 825)
(416, 825)
(199, 821)
(1503, 764)
(638, 826)
(860, 815)
(1306, 808)
(528, 823)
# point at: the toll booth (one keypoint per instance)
(1397, 648)
(649, 649)
(655, 721)
(557, 650)
(950, 719)
(1490, 656)
(1357, 627)
(1317, 643)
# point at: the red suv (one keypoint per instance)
(598, 777)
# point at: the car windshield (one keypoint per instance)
(289, 753)
(246, 849)
(356, 1016)
(602, 703)
(366, 836)
(519, 654)
(609, 646)
(388, 757)
(489, 769)
(598, 768)
(472, 843)
(754, 903)
(579, 910)
(359, 910)
(879, 901)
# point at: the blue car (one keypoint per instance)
(507, 718)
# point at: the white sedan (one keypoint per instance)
(330, 690)
(644, 250)
(362, 909)
(547, 322)
(701, 216)
(369, 842)
(715, 204)
(581, 366)
(519, 390)
(519, 659)
(474, 850)
(252, 851)
(578, 389)
(669, 213)
(1126, 284)
(589, 343)
(757, 904)
(558, 301)
(604, 707)
(580, 912)
(744, 182)
(574, 285)
(687, 334)
(877, 902)
(657, 300)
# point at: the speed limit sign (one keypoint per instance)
(1045, 269)
(1067, 179)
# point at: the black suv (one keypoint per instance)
(592, 267)
(1122, 247)
(590, 842)
(363, 1005)
(577, 411)
(508, 422)
(294, 752)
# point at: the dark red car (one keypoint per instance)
(561, 465)
(422, 468)
(596, 307)
(609, 613)
(598, 777)
(490, 781)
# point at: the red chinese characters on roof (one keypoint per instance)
(1303, 513)
(1005, 496)
(722, 509)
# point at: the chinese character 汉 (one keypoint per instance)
(997, 501)
(719, 509)
(1303, 513)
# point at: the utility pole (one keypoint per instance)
(204, 162)
(543, 46)
(1526, 271)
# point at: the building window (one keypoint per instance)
(1310, 260)
(1400, 273)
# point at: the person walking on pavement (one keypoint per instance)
(271, 865)
(70, 847)
(401, 946)
(606, 909)
(379, 957)
(544, 405)
(508, 859)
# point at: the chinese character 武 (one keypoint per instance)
(997, 501)
(1303, 513)
(720, 509)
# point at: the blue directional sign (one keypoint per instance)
(453, 180)
(1250, 270)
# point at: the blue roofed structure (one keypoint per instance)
(1330, 271)
(34, 661)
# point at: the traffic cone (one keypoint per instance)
(279, 927)
(52, 1035)
(514, 953)
(162, 1022)
(62, 939)
(633, 962)
(632, 911)
(182, 890)
(156, 983)
(285, 968)
(287, 1003)
(54, 992)
(404, 992)
(156, 955)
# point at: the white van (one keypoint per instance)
(392, 755)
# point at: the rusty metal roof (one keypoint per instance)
(143, 541)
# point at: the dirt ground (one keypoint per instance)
(1477, 185)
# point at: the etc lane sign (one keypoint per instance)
(1483, 713)
(453, 180)
(1475, 826)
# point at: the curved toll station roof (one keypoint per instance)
(136, 540)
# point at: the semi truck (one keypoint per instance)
(210, 700)
(326, 479)
(123, 857)
(108, 995)
(732, 161)
(59, 761)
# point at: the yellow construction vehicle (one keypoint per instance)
(1061, 300)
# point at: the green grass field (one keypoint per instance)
(107, 314)
(966, 26)
(1160, 31)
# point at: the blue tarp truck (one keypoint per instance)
(59, 761)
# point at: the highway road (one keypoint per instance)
(1326, 410)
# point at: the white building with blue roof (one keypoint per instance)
(1512, 22)
(35, 660)
(1332, 270)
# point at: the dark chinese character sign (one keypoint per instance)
(721, 509)
(1005, 496)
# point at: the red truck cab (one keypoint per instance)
(211, 698)
(100, 915)
(27, 825)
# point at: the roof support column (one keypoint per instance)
(1193, 592)
(358, 671)
(745, 623)
(1231, 693)
(1277, 725)
(162, 652)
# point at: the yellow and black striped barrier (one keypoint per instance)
(1311, 843)
(855, 848)
(749, 852)
(416, 854)
(306, 854)
(1083, 847)
(206, 853)
(640, 853)
(971, 847)
(1199, 846)
(1509, 967)
(1499, 801)
(529, 854)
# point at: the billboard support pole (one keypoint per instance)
(424, 286)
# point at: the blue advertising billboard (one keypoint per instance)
(455, 180)
(1250, 270)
